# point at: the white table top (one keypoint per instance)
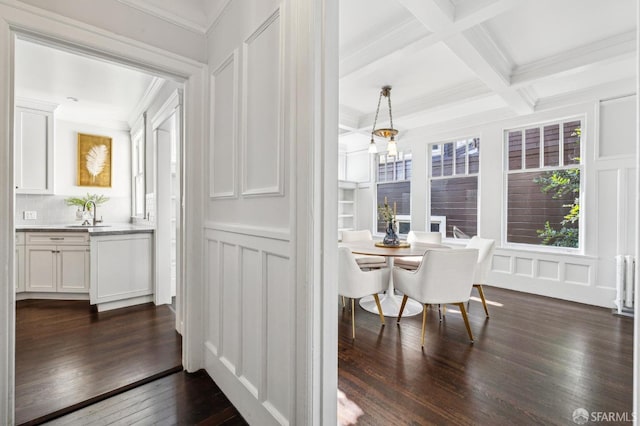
(368, 247)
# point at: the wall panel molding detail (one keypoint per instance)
(248, 289)
(263, 110)
(223, 146)
(565, 276)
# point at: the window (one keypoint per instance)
(453, 186)
(137, 169)
(394, 183)
(543, 184)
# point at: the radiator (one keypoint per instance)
(625, 284)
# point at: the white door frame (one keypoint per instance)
(171, 107)
(48, 27)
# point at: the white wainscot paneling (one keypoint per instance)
(212, 276)
(559, 275)
(250, 326)
(224, 122)
(608, 222)
(262, 111)
(253, 322)
(230, 298)
(501, 263)
(279, 329)
(549, 270)
(576, 273)
(523, 266)
(617, 127)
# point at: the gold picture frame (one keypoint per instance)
(94, 160)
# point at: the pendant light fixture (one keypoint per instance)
(390, 133)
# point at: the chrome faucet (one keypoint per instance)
(95, 213)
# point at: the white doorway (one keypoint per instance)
(166, 127)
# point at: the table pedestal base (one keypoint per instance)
(391, 305)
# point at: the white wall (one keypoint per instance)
(607, 208)
(52, 209)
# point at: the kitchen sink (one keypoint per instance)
(87, 226)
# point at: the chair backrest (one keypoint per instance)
(446, 276)
(485, 248)
(362, 235)
(354, 282)
(424, 237)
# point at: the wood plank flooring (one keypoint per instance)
(178, 399)
(68, 355)
(535, 361)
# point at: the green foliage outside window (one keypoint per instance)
(562, 183)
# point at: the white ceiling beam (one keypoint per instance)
(475, 48)
(407, 40)
(397, 38)
(577, 59)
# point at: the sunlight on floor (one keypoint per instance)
(489, 302)
(348, 411)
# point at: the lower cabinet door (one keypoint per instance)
(41, 269)
(73, 269)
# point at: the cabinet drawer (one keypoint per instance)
(19, 238)
(58, 238)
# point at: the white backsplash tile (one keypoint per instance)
(52, 209)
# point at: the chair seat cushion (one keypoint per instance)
(408, 262)
(370, 261)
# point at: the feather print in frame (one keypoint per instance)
(94, 160)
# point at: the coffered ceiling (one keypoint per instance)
(459, 62)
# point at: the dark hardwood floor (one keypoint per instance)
(178, 399)
(535, 361)
(68, 355)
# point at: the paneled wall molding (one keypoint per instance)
(263, 139)
(568, 277)
(255, 231)
(223, 151)
(249, 332)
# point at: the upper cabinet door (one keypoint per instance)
(33, 155)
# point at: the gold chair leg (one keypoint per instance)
(353, 318)
(466, 320)
(377, 299)
(484, 301)
(424, 322)
(404, 302)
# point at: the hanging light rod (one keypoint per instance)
(387, 133)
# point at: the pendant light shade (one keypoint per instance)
(387, 133)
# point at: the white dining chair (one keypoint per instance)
(363, 260)
(443, 277)
(355, 283)
(417, 238)
(485, 249)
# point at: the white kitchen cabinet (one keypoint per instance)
(121, 270)
(33, 147)
(18, 272)
(57, 262)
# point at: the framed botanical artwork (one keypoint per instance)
(94, 160)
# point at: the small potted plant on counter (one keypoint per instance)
(81, 202)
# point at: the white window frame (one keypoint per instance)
(402, 156)
(442, 220)
(580, 250)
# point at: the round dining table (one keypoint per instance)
(390, 302)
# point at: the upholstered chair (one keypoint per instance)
(355, 283)
(417, 238)
(443, 277)
(485, 249)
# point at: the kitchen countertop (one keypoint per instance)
(106, 229)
